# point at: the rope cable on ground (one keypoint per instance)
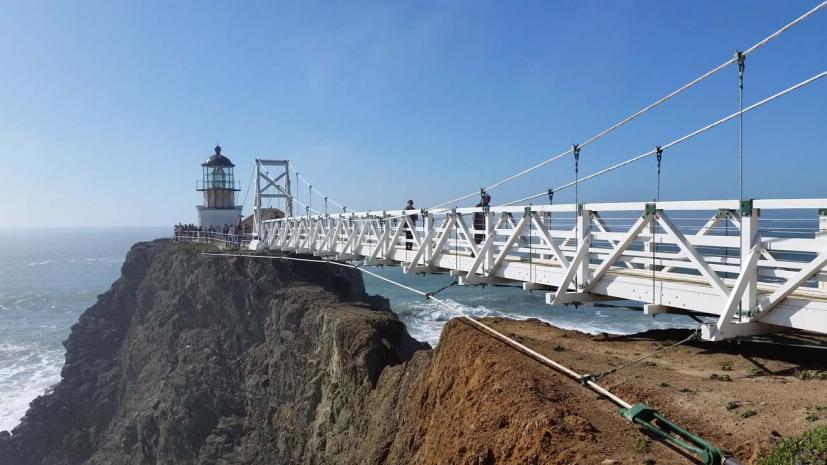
(453, 308)
(695, 334)
(639, 414)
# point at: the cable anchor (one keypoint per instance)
(741, 58)
(575, 149)
(659, 156)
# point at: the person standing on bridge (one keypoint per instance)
(479, 218)
(408, 233)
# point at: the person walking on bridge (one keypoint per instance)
(479, 218)
(408, 233)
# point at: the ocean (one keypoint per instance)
(48, 277)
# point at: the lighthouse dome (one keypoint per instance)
(217, 159)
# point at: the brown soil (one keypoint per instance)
(522, 412)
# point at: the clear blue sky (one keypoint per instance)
(108, 108)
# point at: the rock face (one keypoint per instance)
(197, 359)
(194, 359)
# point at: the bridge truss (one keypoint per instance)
(728, 259)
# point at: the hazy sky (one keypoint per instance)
(108, 108)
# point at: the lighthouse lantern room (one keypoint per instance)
(220, 188)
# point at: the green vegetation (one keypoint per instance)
(732, 405)
(755, 370)
(726, 366)
(809, 448)
(687, 391)
(811, 417)
(806, 375)
(749, 413)
(642, 445)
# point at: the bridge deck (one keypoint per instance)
(763, 278)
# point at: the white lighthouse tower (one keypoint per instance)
(219, 187)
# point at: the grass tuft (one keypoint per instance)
(806, 375)
(642, 445)
(749, 413)
(808, 448)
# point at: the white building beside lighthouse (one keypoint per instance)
(219, 187)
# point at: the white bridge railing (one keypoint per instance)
(757, 265)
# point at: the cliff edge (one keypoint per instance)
(195, 359)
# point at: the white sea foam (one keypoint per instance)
(92, 260)
(425, 319)
(26, 371)
(45, 262)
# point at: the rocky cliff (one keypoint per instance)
(195, 359)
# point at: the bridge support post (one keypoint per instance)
(821, 235)
(584, 234)
(488, 261)
(428, 222)
(749, 239)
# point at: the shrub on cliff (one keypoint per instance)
(809, 448)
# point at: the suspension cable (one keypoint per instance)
(247, 192)
(740, 57)
(677, 141)
(654, 227)
(649, 107)
(576, 151)
(320, 194)
(680, 139)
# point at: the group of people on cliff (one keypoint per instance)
(479, 221)
(231, 234)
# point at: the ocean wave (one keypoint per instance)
(26, 371)
(425, 319)
(44, 262)
(104, 260)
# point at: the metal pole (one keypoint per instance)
(740, 57)
(257, 211)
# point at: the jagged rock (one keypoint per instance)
(197, 359)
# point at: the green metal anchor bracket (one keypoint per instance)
(670, 432)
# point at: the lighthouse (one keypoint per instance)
(219, 188)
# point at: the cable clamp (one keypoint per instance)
(584, 379)
(550, 196)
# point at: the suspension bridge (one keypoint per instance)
(755, 265)
(740, 267)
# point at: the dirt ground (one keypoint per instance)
(744, 397)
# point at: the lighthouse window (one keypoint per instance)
(218, 177)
